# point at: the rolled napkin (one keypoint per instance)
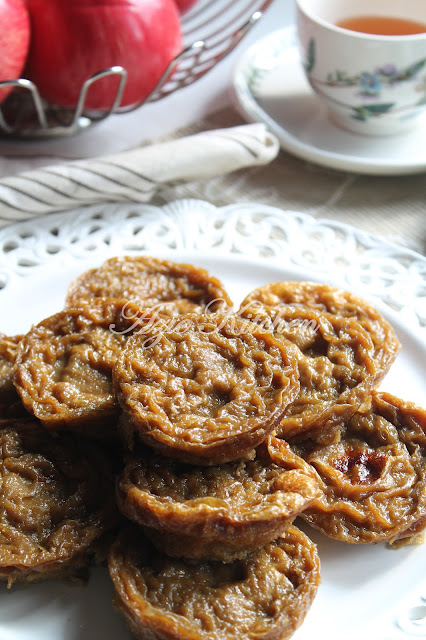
(135, 175)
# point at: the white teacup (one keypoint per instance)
(372, 84)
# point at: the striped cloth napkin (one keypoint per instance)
(135, 175)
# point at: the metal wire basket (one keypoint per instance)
(210, 31)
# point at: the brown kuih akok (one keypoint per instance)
(336, 367)
(63, 369)
(373, 482)
(204, 388)
(8, 349)
(56, 502)
(266, 596)
(220, 512)
(172, 287)
(10, 402)
(324, 298)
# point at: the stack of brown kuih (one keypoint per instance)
(232, 424)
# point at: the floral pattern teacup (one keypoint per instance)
(372, 84)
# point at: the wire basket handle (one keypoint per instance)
(211, 30)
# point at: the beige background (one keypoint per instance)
(392, 207)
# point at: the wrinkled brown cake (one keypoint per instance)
(373, 481)
(324, 298)
(232, 425)
(219, 512)
(336, 367)
(204, 388)
(171, 287)
(56, 502)
(265, 596)
(8, 349)
(63, 369)
(11, 406)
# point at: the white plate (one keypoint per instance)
(270, 86)
(366, 591)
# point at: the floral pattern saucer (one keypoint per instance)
(270, 86)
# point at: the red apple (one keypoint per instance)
(73, 39)
(14, 41)
(185, 5)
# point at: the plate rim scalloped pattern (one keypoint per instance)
(324, 249)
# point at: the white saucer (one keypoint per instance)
(270, 87)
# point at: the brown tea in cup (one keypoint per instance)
(382, 26)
